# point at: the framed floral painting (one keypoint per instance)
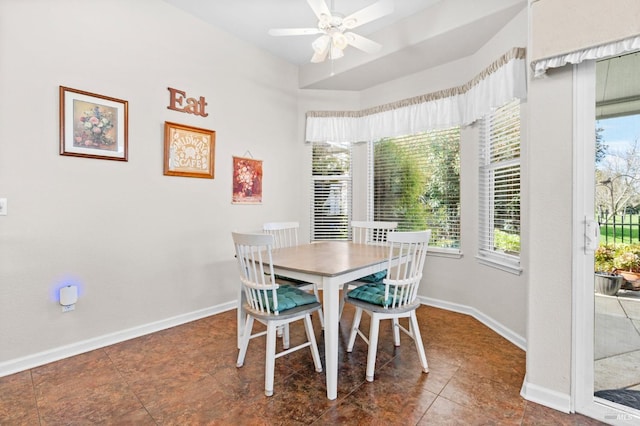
(92, 125)
(189, 151)
(247, 181)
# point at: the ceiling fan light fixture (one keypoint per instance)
(336, 53)
(320, 44)
(334, 29)
(339, 40)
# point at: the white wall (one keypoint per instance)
(550, 193)
(143, 247)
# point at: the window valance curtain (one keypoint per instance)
(503, 81)
(541, 66)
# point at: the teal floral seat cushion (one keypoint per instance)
(371, 293)
(290, 297)
(375, 277)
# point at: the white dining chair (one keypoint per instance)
(267, 302)
(373, 233)
(285, 234)
(394, 298)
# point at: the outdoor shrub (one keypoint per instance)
(604, 258)
(627, 257)
(505, 241)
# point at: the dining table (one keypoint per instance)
(330, 265)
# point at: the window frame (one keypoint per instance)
(493, 257)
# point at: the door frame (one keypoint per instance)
(582, 371)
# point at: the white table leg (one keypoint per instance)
(331, 307)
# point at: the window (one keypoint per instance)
(499, 191)
(331, 190)
(415, 181)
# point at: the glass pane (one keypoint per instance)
(416, 182)
(617, 296)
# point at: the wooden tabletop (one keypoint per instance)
(329, 258)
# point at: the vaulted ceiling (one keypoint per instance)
(419, 34)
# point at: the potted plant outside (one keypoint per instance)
(626, 262)
(606, 280)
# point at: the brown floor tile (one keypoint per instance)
(17, 401)
(474, 391)
(539, 415)
(446, 412)
(187, 375)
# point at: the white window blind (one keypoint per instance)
(415, 181)
(499, 190)
(331, 189)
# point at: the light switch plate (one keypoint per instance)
(3, 206)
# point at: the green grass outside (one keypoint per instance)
(626, 234)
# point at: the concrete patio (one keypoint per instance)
(617, 341)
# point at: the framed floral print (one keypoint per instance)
(189, 151)
(93, 126)
(247, 181)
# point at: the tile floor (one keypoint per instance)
(186, 375)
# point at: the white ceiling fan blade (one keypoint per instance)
(319, 8)
(362, 43)
(368, 14)
(293, 31)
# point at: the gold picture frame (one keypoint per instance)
(93, 126)
(189, 151)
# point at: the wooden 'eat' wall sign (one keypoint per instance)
(178, 101)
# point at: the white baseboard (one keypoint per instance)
(56, 354)
(508, 334)
(547, 397)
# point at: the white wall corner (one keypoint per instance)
(547, 397)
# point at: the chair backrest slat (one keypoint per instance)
(403, 277)
(371, 232)
(253, 253)
(285, 234)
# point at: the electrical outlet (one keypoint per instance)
(3, 206)
(68, 308)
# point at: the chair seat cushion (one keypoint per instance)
(370, 293)
(374, 278)
(291, 297)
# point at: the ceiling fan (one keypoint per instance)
(335, 27)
